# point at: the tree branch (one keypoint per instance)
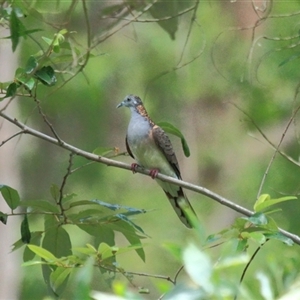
(121, 165)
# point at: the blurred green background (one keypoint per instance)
(228, 57)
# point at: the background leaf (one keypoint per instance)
(3, 217)
(25, 231)
(169, 128)
(46, 75)
(11, 196)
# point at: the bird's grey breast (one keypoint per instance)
(139, 139)
(138, 130)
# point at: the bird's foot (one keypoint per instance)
(153, 173)
(134, 166)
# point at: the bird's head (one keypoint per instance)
(131, 101)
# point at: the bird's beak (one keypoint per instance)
(120, 104)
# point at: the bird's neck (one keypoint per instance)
(140, 111)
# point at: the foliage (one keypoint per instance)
(73, 237)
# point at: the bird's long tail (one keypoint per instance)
(178, 203)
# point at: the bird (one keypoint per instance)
(151, 148)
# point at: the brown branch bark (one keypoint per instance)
(114, 163)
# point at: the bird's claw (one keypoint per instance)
(153, 173)
(134, 166)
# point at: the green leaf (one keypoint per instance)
(257, 236)
(265, 201)
(55, 193)
(169, 128)
(271, 225)
(17, 245)
(118, 251)
(174, 249)
(86, 215)
(3, 217)
(258, 219)
(47, 40)
(82, 203)
(15, 26)
(31, 65)
(262, 199)
(46, 75)
(242, 245)
(198, 266)
(105, 234)
(50, 222)
(58, 242)
(11, 196)
(125, 219)
(106, 251)
(33, 263)
(115, 207)
(280, 237)
(162, 9)
(68, 197)
(232, 261)
(56, 41)
(40, 205)
(23, 79)
(35, 240)
(58, 277)
(43, 253)
(129, 232)
(25, 231)
(83, 279)
(11, 90)
(17, 29)
(86, 251)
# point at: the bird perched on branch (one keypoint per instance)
(150, 146)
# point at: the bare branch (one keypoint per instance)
(287, 157)
(177, 274)
(45, 118)
(110, 162)
(11, 137)
(152, 20)
(193, 18)
(63, 184)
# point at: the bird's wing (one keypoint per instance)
(164, 144)
(127, 148)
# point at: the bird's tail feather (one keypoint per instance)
(179, 204)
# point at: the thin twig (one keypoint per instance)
(248, 265)
(105, 37)
(276, 150)
(193, 18)
(63, 184)
(152, 20)
(46, 119)
(11, 137)
(177, 274)
(168, 278)
(287, 157)
(86, 54)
